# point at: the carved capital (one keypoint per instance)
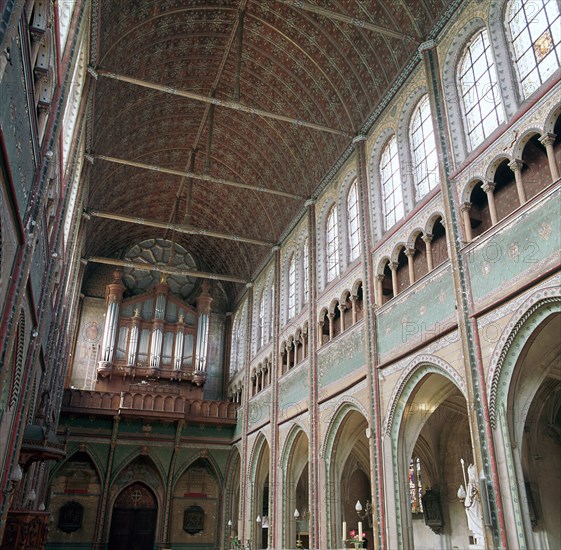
(465, 207)
(427, 237)
(393, 266)
(516, 165)
(547, 139)
(488, 186)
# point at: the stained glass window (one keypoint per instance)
(415, 485)
(535, 31)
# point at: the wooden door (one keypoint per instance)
(133, 523)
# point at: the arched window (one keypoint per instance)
(479, 90)
(261, 322)
(305, 272)
(352, 218)
(292, 287)
(534, 28)
(271, 311)
(238, 341)
(423, 149)
(332, 245)
(390, 179)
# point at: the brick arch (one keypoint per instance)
(413, 234)
(343, 407)
(92, 455)
(127, 461)
(495, 162)
(382, 264)
(551, 119)
(465, 194)
(420, 365)
(220, 478)
(523, 140)
(502, 364)
(396, 251)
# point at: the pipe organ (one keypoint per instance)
(154, 335)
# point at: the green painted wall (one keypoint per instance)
(294, 386)
(522, 248)
(419, 315)
(341, 357)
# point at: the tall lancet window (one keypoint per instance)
(423, 149)
(292, 287)
(332, 245)
(479, 90)
(353, 222)
(390, 178)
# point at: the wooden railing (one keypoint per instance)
(148, 403)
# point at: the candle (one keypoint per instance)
(360, 530)
(344, 531)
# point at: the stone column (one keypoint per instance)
(354, 313)
(379, 289)
(465, 208)
(331, 316)
(489, 188)
(516, 167)
(547, 140)
(410, 252)
(342, 308)
(427, 239)
(393, 267)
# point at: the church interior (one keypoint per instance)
(280, 274)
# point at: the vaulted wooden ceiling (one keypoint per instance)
(293, 81)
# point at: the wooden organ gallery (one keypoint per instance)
(280, 274)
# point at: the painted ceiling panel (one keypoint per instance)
(294, 82)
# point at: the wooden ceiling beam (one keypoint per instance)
(344, 18)
(179, 228)
(202, 177)
(236, 106)
(170, 270)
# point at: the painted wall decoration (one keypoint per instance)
(90, 332)
(341, 357)
(527, 245)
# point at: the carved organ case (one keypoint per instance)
(154, 337)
